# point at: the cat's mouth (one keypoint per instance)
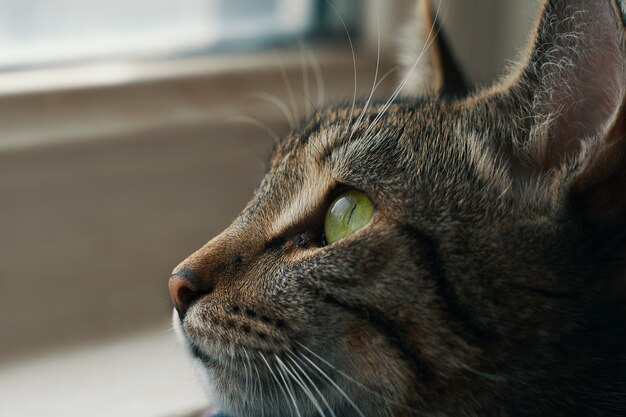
(216, 351)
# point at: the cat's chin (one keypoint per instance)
(253, 392)
(204, 368)
(212, 375)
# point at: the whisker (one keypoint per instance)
(361, 385)
(275, 378)
(260, 385)
(294, 374)
(385, 75)
(317, 73)
(483, 374)
(247, 389)
(275, 100)
(274, 394)
(345, 28)
(248, 120)
(427, 44)
(356, 124)
(287, 83)
(305, 374)
(305, 78)
(254, 387)
(334, 384)
(317, 113)
(288, 386)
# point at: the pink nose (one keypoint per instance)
(184, 291)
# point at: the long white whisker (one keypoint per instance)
(334, 384)
(359, 384)
(429, 40)
(275, 100)
(287, 81)
(317, 72)
(276, 379)
(345, 28)
(369, 99)
(317, 113)
(274, 393)
(294, 374)
(260, 385)
(385, 75)
(305, 374)
(305, 79)
(255, 387)
(288, 386)
(248, 120)
(315, 372)
(247, 389)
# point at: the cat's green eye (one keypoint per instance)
(349, 212)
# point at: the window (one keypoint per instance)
(44, 33)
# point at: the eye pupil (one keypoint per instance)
(351, 211)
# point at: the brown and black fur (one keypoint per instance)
(491, 281)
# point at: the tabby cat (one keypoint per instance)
(451, 253)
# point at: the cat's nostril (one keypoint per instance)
(183, 293)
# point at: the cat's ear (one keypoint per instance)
(426, 58)
(574, 79)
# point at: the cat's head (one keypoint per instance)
(433, 255)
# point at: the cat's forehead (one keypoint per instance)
(360, 129)
(423, 133)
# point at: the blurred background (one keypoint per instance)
(133, 131)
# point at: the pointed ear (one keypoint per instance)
(574, 80)
(426, 59)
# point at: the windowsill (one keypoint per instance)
(41, 107)
(107, 74)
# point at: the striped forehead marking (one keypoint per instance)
(310, 194)
(311, 190)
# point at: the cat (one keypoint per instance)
(450, 253)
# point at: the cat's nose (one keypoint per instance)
(184, 290)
